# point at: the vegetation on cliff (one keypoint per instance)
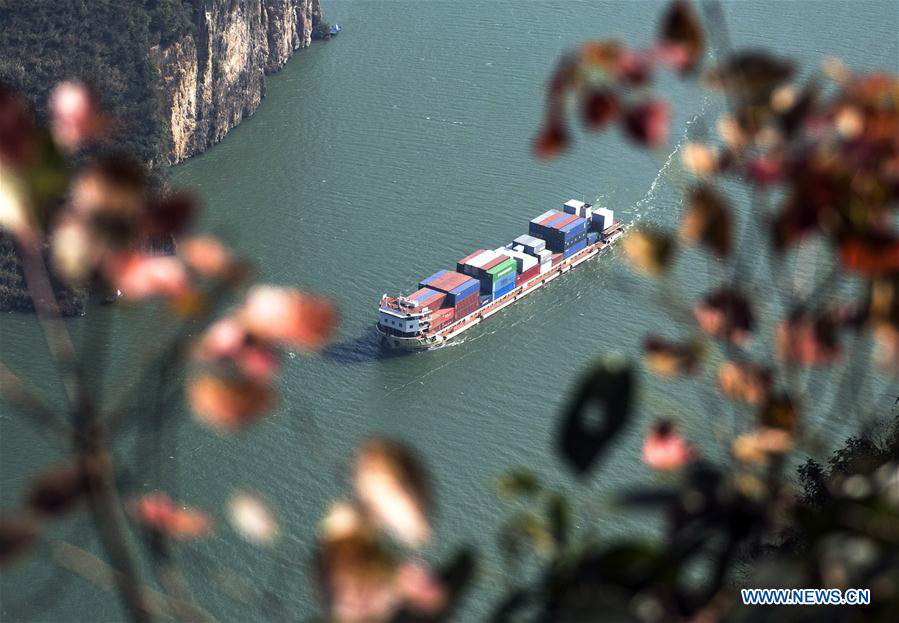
(43, 42)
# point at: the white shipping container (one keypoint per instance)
(523, 261)
(545, 256)
(545, 267)
(603, 218)
(531, 244)
(573, 206)
(483, 258)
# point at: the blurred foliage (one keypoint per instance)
(818, 159)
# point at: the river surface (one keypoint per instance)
(378, 158)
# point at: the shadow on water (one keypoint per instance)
(362, 349)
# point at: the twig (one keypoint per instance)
(84, 564)
(26, 400)
(47, 309)
(110, 522)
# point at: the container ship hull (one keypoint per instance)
(427, 339)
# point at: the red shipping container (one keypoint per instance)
(556, 258)
(549, 218)
(530, 273)
(449, 281)
(466, 306)
(441, 318)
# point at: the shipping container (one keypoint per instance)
(501, 292)
(465, 309)
(523, 261)
(527, 275)
(427, 297)
(552, 217)
(544, 256)
(557, 257)
(426, 282)
(465, 290)
(531, 244)
(543, 216)
(573, 206)
(575, 226)
(546, 267)
(580, 246)
(592, 237)
(461, 264)
(602, 219)
(441, 318)
(446, 281)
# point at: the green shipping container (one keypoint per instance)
(502, 269)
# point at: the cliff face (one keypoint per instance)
(211, 79)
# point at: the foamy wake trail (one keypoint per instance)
(648, 201)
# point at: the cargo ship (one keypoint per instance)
(450, 302)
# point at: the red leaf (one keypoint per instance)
(157, 511)
(17, 138)
(872, 254)
(664, 448)
(681, 37)
(57, 491)
(648, 122)
(229, 405)
(17, 535)
(598, 108)
(725, 314)
(634, 69)
(288, 316)
(553, 138)
(809, 339)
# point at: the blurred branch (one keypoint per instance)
(25, 400)
(58, 340)
(110, 521)
(83, 563)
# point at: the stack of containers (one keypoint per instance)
(495, 270)
(428, 297)
(498, 276)
(441, 318)
(537, 248)
(578, 208)
(526, 266)
(602, 219)
(463, 265)
(545, 258)
(461, 291)
(530, 244)
(563, 233)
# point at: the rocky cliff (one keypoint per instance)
(212, 78)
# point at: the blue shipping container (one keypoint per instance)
(575, 227)
(466, 289)
(592, 237)
(580, 246)
(453, 299)
(501, 283)
(504, 290)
